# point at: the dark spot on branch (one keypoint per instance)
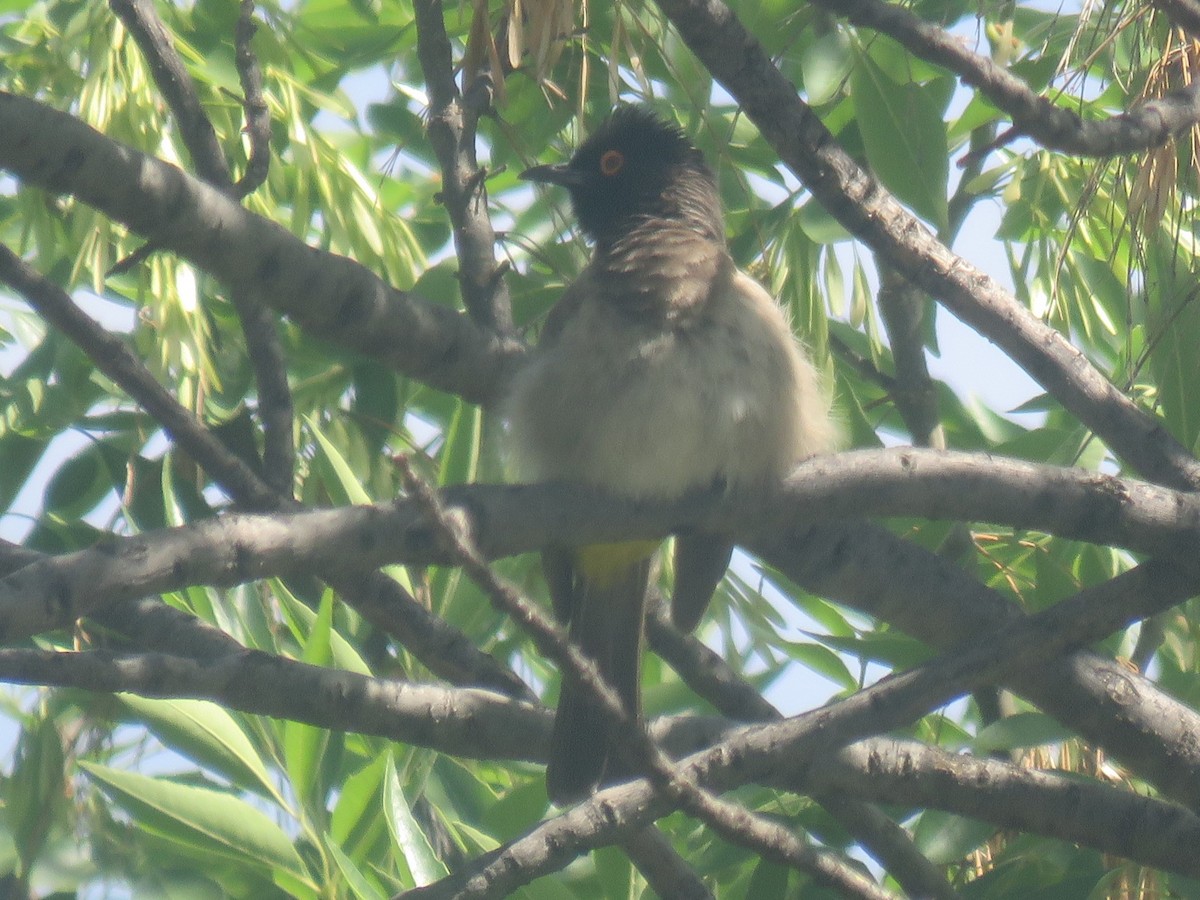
(354, 307)
(241, 561)
(71, 162)
(268, 269)
(60, 599)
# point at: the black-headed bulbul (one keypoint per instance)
(663, 369)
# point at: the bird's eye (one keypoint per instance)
(612, 162)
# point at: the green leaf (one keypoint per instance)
(201, 818)
(518, 810)
(770, 880)
(303, 624)
(824, 661)
(358, 803)
(460, 453)
(351, 484)
(352, 487)
(37, 791)
(1025, 729)
(826, 64)
(304, 745)
(945, 838)
(835, 284)
(897, 651)
(820, 227)
(423, 863)
(79, 484)
(357, 881)
(905, 139)
(206, 733)
(21, 454)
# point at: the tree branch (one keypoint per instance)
(1151, 124)
(869, 569)
(903, 308)
(173, 80)
(479, 724)
(262, 341)
(667, 873)
(508, 519)
(855, 563)
(466, 723)
(332, 297)
(258, 119)
(890, 846)
(452, 126)
(461, 721)
(707, 674)
(378, 598)
(1113, 820)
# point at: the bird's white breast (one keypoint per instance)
(621, 403)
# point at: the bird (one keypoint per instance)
(663, 369)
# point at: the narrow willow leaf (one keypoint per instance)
(206, 733)
(201, 818)
(1020, 731)
(904, 137)
(356, 880)
(423, 863)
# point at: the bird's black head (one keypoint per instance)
(636, 167)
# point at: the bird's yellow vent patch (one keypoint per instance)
(605, 563)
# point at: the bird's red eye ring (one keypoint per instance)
(612, 162)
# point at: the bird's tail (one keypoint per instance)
(606, 624)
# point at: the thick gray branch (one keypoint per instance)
(331, 296)
(461, 721)
(855, 563)
(509, 519)
(868, 568)
(1114, 820)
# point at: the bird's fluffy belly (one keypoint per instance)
(654, 413)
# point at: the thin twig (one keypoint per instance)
(667, 873)
(172, 78)
(258, 119)
(452, 127)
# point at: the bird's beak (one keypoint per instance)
(561, 175)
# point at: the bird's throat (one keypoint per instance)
(662, 270)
